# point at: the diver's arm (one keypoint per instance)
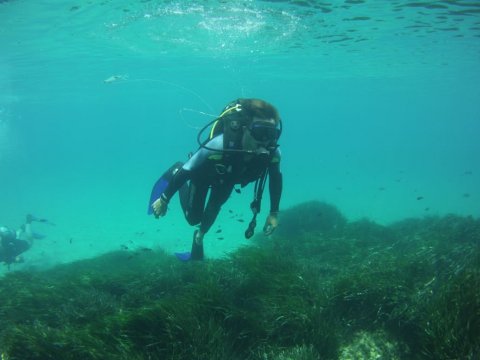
(275, 187)
(275, 182)
(180, 178)
(160, 205)
(194, 164)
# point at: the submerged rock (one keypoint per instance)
(370, 346)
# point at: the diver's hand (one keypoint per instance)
(271, 223)
(159, 207)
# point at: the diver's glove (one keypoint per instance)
(271, 223)
(160, 206)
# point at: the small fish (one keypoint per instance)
(419, 197)
(240, 220)
(218, 231)
(70, 240)
(220, 238)
(114, 78)
(124, 247)
(466, 195)
(145, 249)
(230, 211)
(238, 191)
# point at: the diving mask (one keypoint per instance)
(264, 132)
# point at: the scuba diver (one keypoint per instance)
(241, 148)
(14, 243)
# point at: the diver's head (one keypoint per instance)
(264, 131)
(263, 125)
(6, 234)
(257, 109)
(260, 134)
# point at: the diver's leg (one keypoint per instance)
(218, 196)
(28, 229)
(20, 246)
(192, 200)
(25, 232)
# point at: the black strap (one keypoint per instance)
(255, 205)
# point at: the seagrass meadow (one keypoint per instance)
(322, 287)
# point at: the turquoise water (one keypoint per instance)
(379, 99)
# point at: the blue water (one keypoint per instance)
(380, 103)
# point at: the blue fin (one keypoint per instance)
(162, 184)
(195, 254)
(185, 256)
(38, 236)
(157, 190)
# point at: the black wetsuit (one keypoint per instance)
(12, 247)
(219, 172)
